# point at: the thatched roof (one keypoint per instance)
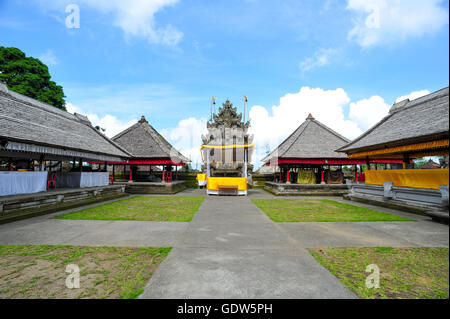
(430, 164)
(311, 140)
(27, 125)
(420, 120)
(144, 142)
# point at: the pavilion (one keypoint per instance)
(35, 140)
(148, 149)
(309, 152)
(412, 129)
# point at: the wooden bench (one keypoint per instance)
(228, 189)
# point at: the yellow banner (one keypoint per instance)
(405, 148)
(201, 177)
(226, 146)
(416, 178)
(213, 183)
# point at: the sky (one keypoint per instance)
(345, 62)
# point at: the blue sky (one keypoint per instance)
(345, 61)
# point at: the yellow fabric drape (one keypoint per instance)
(416, 178)
(405, 148)
(212, 183)
(226, 146)
(306, 177)
(201, 177)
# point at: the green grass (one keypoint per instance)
(29, 271)
(142, 208)
(413, 273)
(319, 210)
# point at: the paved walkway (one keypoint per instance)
(231, 249)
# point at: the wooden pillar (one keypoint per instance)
(288, 176)
(176, 172)
(81, 164)
(131, 173)
(368, 163)
(406, 160)
(356, 173)
(163, 174)
(73, 164)
(323, 176)
(113, 171)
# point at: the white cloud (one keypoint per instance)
(368, 112)
(49, 58)
(134, 17)
(186, 138)
(327, 106)
(413, 95)
(383, 21)
(321, 58)
(110, 123)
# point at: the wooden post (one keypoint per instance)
(81, 164)
(113, 171)
(163, 174)
(288, 173)
(176, 172)
(131, 174)
(405, 160)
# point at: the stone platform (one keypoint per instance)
(153, 187)
(431, 202)
(18, 207)
(283, 189)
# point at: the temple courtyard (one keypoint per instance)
(230, 248)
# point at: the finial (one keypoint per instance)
(310, 117)
(143, 119)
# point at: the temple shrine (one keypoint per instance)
(226, 152)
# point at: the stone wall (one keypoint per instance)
(29, 205)
(306, 189)
(154, 188)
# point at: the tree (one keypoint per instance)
(30, 77)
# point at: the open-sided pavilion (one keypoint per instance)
(412, 129)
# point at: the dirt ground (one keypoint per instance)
(28, 271)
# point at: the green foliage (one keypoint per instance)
(30, 77)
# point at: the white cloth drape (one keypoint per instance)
(15, 183)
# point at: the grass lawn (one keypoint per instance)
(319, 210)
(404, 272)
(143, 208)
(28, 271)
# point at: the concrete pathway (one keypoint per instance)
(231, 249)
